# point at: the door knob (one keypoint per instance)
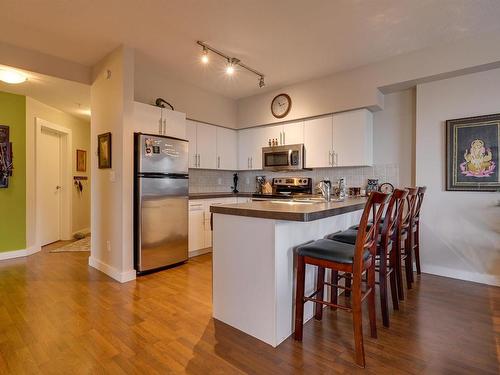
(58, 187)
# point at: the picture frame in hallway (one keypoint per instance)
(104, 150)
(6, 165)
(472, 153)
(81, 161)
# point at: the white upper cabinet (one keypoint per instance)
(174, 123)
(150, 119)
(250, 143)
(206, 143)
(293, 133)
(353, 138)
(191, 137)
(318, 135)
(227, 149)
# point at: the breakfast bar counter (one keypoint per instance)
(254, 262)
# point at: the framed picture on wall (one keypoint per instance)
(81, 161)
(104, 150)
(472, 153)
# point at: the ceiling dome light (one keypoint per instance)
(204, 56)
(12, 76)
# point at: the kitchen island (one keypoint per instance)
(254, 262)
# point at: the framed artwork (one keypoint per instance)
(81, 161)
(472, 153)
(104, 150)
(6, 166)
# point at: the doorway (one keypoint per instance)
(53, 183)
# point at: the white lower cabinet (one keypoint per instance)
(200, 230)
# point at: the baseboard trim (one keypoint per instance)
(195, 253)
(461, 275)
(112, 272)
(20, 253)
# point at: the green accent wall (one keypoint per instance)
(13, 198)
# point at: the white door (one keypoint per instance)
(352, 138)
(227, 148)
(191, 137)
(293, 133)
(206, 143)
(50, 187)
(318, 142)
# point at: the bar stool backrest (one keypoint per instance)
(410, 206)
(420, 198)
(368, 239)
(393, 215)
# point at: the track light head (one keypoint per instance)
(261, 82)
(204, 55)
(231, 64)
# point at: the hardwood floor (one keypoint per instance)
(59, 316)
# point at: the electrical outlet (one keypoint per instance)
(108, 245)
(219, 181)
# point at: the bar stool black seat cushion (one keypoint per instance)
(346, 236)
(333, 251)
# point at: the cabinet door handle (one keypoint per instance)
(199, 160)
(281, 138)
(337, 159)
(248, 163)
(284, 141)
(218, 161)
(251, 162)
(165, 126)
(195, 160)
(160, 130)
(330, 158)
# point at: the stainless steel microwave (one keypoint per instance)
(283, 158)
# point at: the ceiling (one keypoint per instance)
(288, 40)
(67, 96)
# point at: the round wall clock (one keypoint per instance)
(386, 187)
(281, 105)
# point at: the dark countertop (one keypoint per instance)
(290, 211)
(217, 195)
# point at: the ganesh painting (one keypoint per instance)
(472, 153)
(478, 160)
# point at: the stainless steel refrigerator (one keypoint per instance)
(161, 191)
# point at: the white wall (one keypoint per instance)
(393, 134)
(460, 230)
(111, 103)
(359, 87)
(81, 140)
(153, 81)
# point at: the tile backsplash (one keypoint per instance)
(208, 181)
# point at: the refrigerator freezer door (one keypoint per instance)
(162, 155)
(163, 223)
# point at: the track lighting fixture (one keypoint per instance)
(261, 82)
(232, 62)
(204, 55)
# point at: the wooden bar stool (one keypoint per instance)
(354, 259)
(387, 258)
(404, 243)
(416, 226)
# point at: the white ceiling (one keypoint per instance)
(288, 40)
(67, 96)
